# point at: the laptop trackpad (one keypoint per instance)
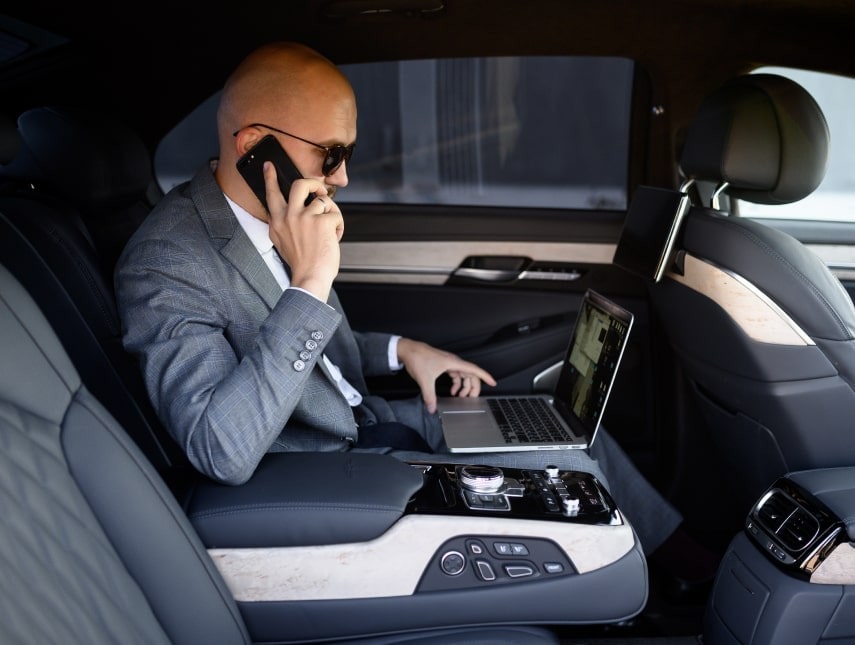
(467, 423)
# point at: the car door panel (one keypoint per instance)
(513, 334)
(507, 305)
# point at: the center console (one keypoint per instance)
(420, 544)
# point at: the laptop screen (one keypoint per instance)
(596, 347)
(649, 231)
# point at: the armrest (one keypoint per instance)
(305, 499)
(834, 487)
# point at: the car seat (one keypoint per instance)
(764, 332)
(94, 547)
(60, 185)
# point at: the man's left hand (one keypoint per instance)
(425, 364)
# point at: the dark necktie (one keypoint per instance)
(284, 264)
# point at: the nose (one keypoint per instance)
(339, 177)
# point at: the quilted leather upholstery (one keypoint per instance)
(78, 565)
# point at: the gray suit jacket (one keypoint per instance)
(220, 343)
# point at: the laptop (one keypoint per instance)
(646, 243)
(566, 419)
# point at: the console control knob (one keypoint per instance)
(570, 505)
(453, 563)
(481, 479)
(551, 471)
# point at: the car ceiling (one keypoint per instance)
(154, 61)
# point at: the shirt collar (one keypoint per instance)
(257, 231)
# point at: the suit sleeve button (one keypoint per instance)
(299, 365)
(311, 345)
(317, 335)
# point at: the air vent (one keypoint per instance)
(793, 527)
(783, 518)
(798, 531)
(774, 509)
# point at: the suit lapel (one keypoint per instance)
(228, 236)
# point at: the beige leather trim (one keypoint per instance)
(838, 568)
(759, 317)
(393, 564)
(433, 262)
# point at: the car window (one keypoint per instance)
(549, 132)
(834, 199)
(507, 131)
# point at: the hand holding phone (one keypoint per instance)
(251, 165)
(307, 239)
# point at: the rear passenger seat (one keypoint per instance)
(71, 193)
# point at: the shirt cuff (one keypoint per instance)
(394, 364)
(309, 293)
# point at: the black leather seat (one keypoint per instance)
(73, 191)
(93, 163)
(764, 331)
(93, 546)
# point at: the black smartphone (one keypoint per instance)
(251, 167)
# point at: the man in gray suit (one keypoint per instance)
(230, 308)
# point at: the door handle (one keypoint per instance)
(487, 275)
(511, 268)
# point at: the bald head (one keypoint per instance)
(274, 80)
(289, 88)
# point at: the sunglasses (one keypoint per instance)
(334, 156)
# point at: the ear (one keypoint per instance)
(247, 138)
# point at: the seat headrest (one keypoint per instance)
(10, 140)
(91, 159)
(764, 135)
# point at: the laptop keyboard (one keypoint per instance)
(527, 420)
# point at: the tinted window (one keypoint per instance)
(510, 131)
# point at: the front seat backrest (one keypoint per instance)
(94, 548)
(765, 331)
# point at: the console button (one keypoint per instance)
(549, 502)
(570, 505)
(519, 570)
(553, 567)
(485, 570)
(453, 563)
(502, 548)
(519, 549)
(485, 502)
